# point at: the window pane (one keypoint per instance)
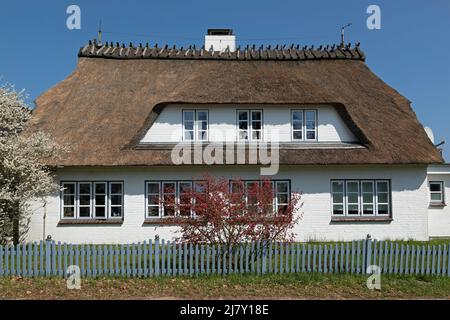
(256, 125)
(436, 197)
(116, 188)
(85, 188)
(367, 187)
(116, 212)
(435, 187)
(367, 198)
(310, 115)
(153, 187)
(353, 198)
(310, 125)
(382, 197)
(338, 186)
(256, 135)
(338, 209)
(100, 212)
(243, 135)
(189, 135)
(100, 188)
(352, 187)
(243, 125)
(85, 200)
(297, 135)
(69, 200)
(85, 212)
(368, 209)
(282, 187)
(153, 211)
(310, 135)
(203, 125)
(202, 115)
(116, 200)
(297, 116)
(69, 188)
(353, 209)
(169, 187)
(382, 186)
(188, 115)
(153, 199)
(243, 115)
(100, 200)
(188, 125)
(69, 212)
(297, 125)
(338, 198)
(282, 198)
(256, 115)
(383, 209)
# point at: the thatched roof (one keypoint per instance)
(114, 95)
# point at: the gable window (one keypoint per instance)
(250, 123)
(436, 192)
(304, 125)
(360, 198)
(195, 125)
(87, 200)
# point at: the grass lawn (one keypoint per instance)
(294, 286)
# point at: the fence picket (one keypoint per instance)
(402, 254)
(150, 257)
(444, 257)
(174, 259)
(1, 261)
(196, 253)
(330, 258)
(163, 257)
(325, 259)
(321, 254)
(156, 257)
(439, 253)
(358, 262)
(428, 260)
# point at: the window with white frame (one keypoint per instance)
(195, 125)
(304, 125)
(87, 200)
(436, 192)
(250, 125)
(360, 198)
(172, 198)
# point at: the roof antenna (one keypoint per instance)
(342, 34)
(99, 34)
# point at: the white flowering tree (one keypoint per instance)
(23, 173)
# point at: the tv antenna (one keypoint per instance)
(343, 35)
(99, 33)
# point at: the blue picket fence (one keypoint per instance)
(160, 258)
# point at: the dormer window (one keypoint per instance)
(304, 125)
(195, 125)
(250, 124)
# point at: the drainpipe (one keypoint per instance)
(44, 219)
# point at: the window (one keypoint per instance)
(360, 198)
(436, 192)
(87, 200)
(304, 125)
(195, 125)
(172, 198)
(250, 123)
(68, 199)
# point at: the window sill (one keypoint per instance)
(437, 205)
(361, 219)
(64, 222)
(169, 221)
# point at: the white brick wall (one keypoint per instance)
(409, 200)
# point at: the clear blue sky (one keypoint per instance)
(411, 52)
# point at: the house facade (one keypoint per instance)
(145, 122)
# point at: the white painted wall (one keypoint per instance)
(222, 123)
(409, 201)
(439, 217)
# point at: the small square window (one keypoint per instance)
(436, 192)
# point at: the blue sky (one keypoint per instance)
(411, 52)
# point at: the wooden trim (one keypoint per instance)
(361, 219)
(65, 222)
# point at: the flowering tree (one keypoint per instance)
(229, 213)
(23, 174)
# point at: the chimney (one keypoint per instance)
(220, 40)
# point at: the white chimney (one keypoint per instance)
(220, 40)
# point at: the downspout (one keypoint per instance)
(43, 220)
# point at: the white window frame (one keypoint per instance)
(110, 195)
(276, 193)
(250, 121)
(306, 127)
(79, 206)
(63, 205)
(196, 124)
(338, 203)
(388, 203)
(441, 193)
(147, 194)
(373, 203)
(347, 182)
(163, 193)
(360, 198)
(302, 126)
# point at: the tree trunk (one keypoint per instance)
(16, 229)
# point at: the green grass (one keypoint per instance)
(291, 286)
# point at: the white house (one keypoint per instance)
(139, 119)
